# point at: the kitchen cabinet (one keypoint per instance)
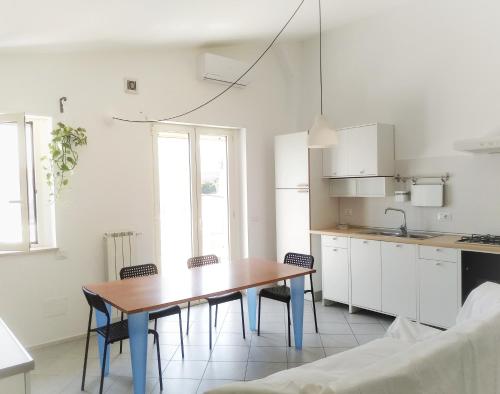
(362, 151)
(336, 159)
(438, 286)
(291, 161)
(362, 187)
(366, 274)
(399, 280)
(335, 266)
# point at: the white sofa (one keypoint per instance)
(410, 359)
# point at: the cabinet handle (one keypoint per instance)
(362, 172)
(335, 250)
(398, 245)
(334, 238)
(438, 250)
(437, 263)
(365, 242)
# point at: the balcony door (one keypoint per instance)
(195, 192)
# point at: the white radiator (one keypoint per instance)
(121, 252)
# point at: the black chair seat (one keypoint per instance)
(174, 310)
(118, 331)
(224, 298)
(278, 293)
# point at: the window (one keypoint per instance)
(27, 214)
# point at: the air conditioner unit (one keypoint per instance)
(221, 69)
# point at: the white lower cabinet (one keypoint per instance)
(399, 279)
(366, 274)
(335, 271)
(438, 292)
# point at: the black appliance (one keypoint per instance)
(477, 268)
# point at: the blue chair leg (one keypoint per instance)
(297, 295)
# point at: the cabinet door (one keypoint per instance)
(292, 222)
(366, 274)
(399, 285)
(291, 160)
(335, 272)
(438, 297)
(335, 159)
(362, 145)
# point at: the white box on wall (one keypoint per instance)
(427, 195)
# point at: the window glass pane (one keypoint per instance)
(175, 198)
(10, 191)
(214, 195)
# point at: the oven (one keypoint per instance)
(477, 268)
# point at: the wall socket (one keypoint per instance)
(348, 212)
(444, 217)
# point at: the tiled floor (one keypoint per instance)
(58, 368)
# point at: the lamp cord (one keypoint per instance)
(226, 89)
(320, 59)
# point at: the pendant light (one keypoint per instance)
(321, 135)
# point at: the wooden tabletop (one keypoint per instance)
(182, 285)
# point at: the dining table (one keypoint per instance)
(136, 297)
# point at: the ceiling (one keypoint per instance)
(122, 23)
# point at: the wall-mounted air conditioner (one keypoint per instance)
(222, 69)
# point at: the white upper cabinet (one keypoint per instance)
(361, 151)
(335, 159)
(291, 158)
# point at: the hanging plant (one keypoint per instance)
(63, 156)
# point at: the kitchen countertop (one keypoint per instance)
(440, 241)
(14, 359)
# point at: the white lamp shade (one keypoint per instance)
(321, 135)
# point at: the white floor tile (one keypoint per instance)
(367, 328)
(209, 384)
(268, 354)
(231, 370)
(259, 370)
(230, 353)
(185, 370)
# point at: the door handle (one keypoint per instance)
(15, 202)
(303, 191)
(303, 185)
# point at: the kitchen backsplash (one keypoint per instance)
(472, 197)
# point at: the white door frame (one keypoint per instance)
(193, 132)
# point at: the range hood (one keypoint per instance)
(490, 143)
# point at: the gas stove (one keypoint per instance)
(486, 239)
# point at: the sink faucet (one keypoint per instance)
(402, 228)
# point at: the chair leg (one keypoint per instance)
(157, 340)
(86, 350)
(156, 325)
(210, 327)
(289, 324)
(180, 332)
(314, 304)
(216, 310)
(85, 360)
(258, 315)
(189, 308)
(103, 368)
(242, 318)
(121, 342)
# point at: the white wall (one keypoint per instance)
(431, 68)
(112, 188)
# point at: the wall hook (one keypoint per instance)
(62, 100)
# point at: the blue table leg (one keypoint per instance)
(252, 307)
(138, 332)
(297, 294)
(102, 321)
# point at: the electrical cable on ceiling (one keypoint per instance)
(226, 89)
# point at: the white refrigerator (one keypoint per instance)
(291, 157)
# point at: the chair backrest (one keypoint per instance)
(135, 271)
(95, 301)
(300, 260)
(200, 261)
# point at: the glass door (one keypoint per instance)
(193, 192)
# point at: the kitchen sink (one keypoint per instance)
(399, 235)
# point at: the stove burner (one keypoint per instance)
(481, 239)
